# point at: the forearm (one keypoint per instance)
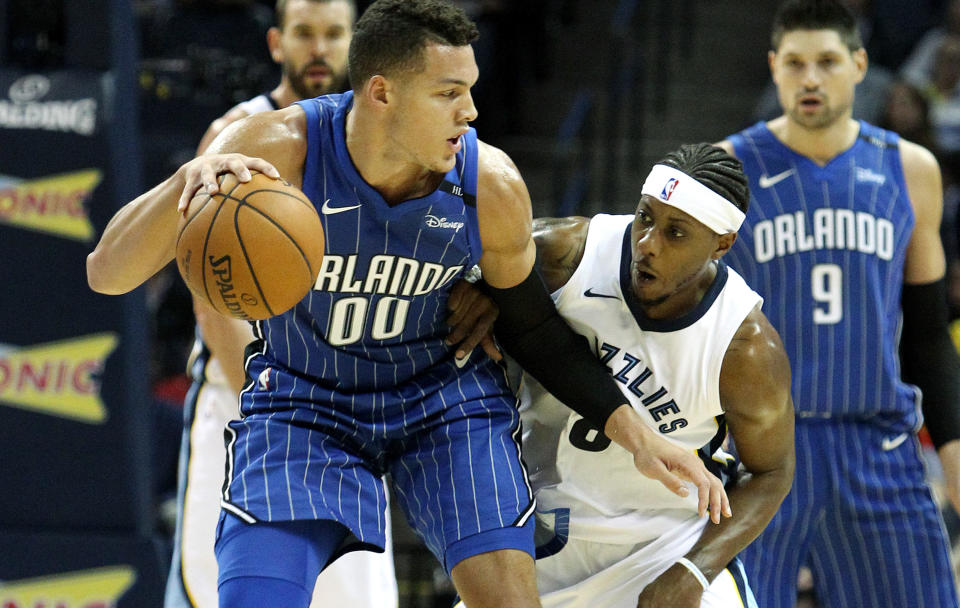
(930, 360)
(138, 241)
(533, 333)
(754, 501)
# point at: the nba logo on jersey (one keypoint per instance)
(668, 189)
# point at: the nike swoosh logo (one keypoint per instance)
(591, 294)
(766, 182)
(890, 443)
(328, 210)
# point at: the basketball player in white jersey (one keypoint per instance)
(310, 43)
(686, 340)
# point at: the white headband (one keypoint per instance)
(676, 188)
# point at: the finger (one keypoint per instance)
(490, 347)
(725, 507)
(657, 470)
(209, 179)
(456, 292)
(258, 164)
(238, 168)
(463, 325)
(463, 306)
(190, 187)
(480, 329)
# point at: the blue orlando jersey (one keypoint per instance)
(376, 317)
(825, 247)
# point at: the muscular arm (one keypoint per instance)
(141, 238)
(755, 394)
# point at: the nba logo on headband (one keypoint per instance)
(669, 188)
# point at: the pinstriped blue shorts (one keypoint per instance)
(861, 516)
(449, 444)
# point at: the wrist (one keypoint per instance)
(626, 428)
(693, 570)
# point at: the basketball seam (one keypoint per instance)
(243, 249)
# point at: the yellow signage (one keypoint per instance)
(57, 378)
(51, 204)
(97, 588)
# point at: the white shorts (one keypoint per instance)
(359, 579)
(587, 574)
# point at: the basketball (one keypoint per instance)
(253, 250)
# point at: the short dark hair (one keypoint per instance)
(280, 10)
(714, 168)
(815, 15)
(391, 36)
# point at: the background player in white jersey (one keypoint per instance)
(310, 42)
(844, 214)
(686, 341)
(394, 150)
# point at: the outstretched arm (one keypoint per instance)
(529, 325)
(755, 394)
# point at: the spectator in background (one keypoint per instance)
(918, 67)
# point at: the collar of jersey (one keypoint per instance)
(665, 325)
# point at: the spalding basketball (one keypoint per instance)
(253, 250)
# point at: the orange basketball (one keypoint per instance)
(252, 250)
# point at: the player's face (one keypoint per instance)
(313, 46)
(816, 75)
(671, 253)
(432, 108)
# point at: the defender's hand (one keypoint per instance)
(669, 464)
(471, 319)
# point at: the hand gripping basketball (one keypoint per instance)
(251, 250)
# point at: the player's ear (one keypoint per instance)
(771, 61)
(273, 43)
(377, 90)
(861, 61)
(724, 243)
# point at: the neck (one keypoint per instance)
(283, 94)
(375, 155)
(819, 145)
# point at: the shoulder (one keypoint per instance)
(921, 172)
(917, 161)
(503, 203)
(560, 242)
(278, 137)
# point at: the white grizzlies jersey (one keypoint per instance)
(668, 371)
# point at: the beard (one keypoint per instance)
(306, 89)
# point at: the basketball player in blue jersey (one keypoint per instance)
(356, 381)
(686, 340)
(310, 43)
(842, 241)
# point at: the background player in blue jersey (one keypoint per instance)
(843, 231)
(310, 42)
(357, 381)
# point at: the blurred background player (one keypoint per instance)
(842, 241)
(309, 42)
(685, 338)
